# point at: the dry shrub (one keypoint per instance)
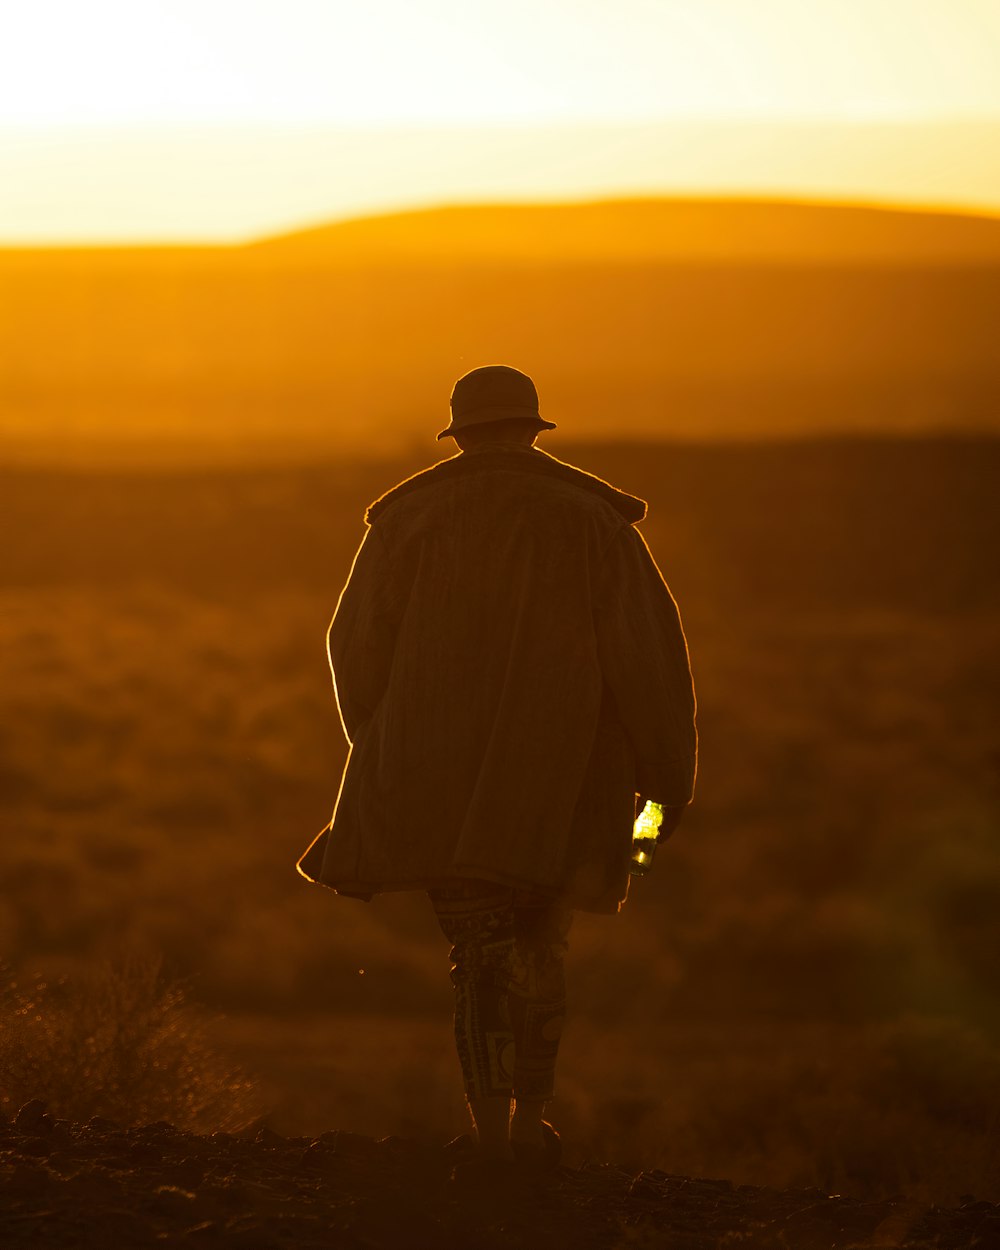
(120, 1041)
(910, 1106)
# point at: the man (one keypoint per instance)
(511, 672)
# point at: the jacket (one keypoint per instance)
(510, 669)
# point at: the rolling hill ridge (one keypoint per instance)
(645, 319)
(654, 231)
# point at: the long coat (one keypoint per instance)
(511, 670)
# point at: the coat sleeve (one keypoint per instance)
(362, 635)
(644, 658)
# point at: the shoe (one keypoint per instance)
(459, 1147)
(541, 1158)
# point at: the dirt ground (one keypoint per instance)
(98, 1185)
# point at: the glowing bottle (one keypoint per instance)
(644, 834)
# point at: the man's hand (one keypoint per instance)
(671, 818)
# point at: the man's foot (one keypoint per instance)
(539, 1152)
(460, 1147)
(491, 1119)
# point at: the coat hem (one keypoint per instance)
(366, 890)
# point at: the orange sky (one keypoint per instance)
(158, 119)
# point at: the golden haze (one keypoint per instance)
(639, 319)
(803, 991)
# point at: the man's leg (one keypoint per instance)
(537, 1006)
(477, 918)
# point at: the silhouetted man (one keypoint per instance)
(511, 672)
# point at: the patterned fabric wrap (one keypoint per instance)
(508, 970)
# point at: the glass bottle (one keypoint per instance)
(644, 834)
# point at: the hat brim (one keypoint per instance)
(487, 416)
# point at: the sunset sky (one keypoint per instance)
(222, 118)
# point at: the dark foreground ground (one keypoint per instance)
(98, 1185)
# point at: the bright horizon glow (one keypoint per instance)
(171, 120)
(220, 185)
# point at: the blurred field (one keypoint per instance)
(804, 991)
(641, 319)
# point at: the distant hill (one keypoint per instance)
(655, 231)
(644, 319)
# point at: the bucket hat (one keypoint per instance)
(493, 393)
